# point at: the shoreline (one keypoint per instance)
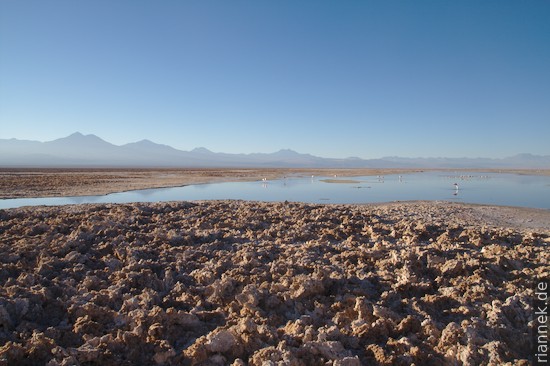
(74, 182)
(239, 282)
(55, 182)
(476, 214)
(514, 217)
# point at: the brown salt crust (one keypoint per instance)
(232, 282)
(525, 218)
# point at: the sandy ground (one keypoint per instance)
(251, 283)
(26, 183)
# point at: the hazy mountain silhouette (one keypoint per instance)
(78, 150)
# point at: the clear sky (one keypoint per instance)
(330, 78)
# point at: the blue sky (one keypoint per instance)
(330, 78)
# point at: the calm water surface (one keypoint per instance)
(488, 188)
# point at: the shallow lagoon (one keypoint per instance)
(473, 187)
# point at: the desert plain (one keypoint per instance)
(253, 283)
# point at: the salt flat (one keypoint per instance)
(233, 282)
(25, 183)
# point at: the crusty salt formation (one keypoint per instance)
(245, 283)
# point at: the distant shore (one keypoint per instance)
(58, 182)
(30, 183)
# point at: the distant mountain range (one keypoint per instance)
(78, 150)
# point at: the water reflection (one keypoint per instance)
(489, 188)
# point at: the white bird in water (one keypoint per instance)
(455, 193)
